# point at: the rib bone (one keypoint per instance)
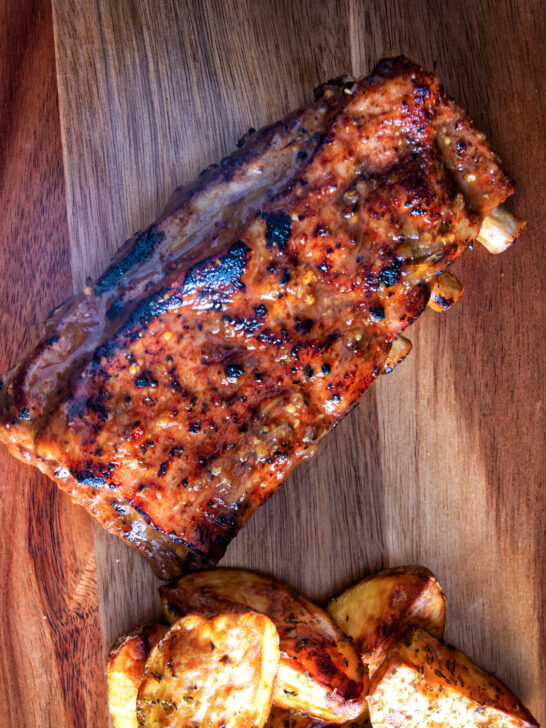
(499, 230)
(445, 292)
(400, 348)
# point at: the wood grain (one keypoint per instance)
(475, 420)
(443, 461)
(51, 658)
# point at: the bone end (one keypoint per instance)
(445, 292)
(399, 350)
(499, 230)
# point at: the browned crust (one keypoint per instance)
(378, 610)
(142, 640)
(312, 646)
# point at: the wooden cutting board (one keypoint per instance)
(443, 462)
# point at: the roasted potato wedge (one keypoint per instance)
(282, 718)
(425, 683)
(378, 610)
(210, 673)
(320, 672)
(124, 671)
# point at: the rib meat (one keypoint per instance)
(176, 393)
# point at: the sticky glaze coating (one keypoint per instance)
(178, 391)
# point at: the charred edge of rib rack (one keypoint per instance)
(230, 164)
(415, 307)
(391, 67)
(249, 147)
(215, 533)
(146, 311)
(244, 152)
(144, 245)
(193, 558)
(246, 136)
(214, 278)
(95, 476)
(338, 82)
(17, 393)
(241, 156)
(115, 309)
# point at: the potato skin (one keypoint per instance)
(320, 672)
(211, 673)
(282, 718)
(379, 609)
(124, 671)
(425, 683)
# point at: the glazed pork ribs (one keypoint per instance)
(176, 393)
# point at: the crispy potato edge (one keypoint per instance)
(282, 718)
(376, 611)
(320, 671)
(124, 670)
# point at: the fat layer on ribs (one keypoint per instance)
(176, 393)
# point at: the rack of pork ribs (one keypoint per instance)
(176, 392)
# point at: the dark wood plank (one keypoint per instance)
(51, 657)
